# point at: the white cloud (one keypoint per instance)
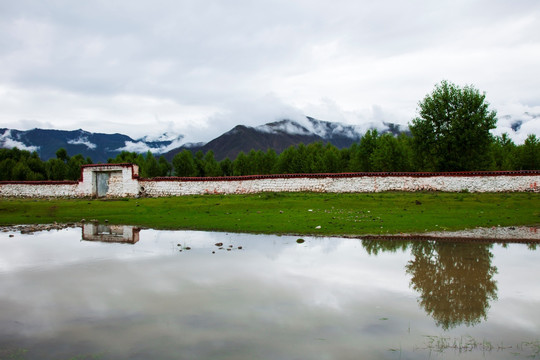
(362, 119)
(166, 136)
(82, 141)
(138, 147)
(143, 147)
(7, 141)
(287, 127)
(528, 117)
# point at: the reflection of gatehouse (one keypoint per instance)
(110, 233)
(122, 180)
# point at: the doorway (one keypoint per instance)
(102, 183)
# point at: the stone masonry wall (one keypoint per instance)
(40, 189)
(124, 182)
(342, 184)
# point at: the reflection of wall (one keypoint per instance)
(110, 233)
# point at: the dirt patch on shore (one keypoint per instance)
(29, 229)
(495, 232)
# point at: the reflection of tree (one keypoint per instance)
(373, 247)
(455, 281)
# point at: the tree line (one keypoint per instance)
(451, 133)
(373, 153)
(24, 165)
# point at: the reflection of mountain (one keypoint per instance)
(455, 280)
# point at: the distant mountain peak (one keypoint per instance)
(284, 126)
(163, 137)
(238, 129)
(279, 135)
(516, 125)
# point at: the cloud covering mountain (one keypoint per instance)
(199, 68)
(99, 147)
(277, 135)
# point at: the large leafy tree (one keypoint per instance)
(361, 153)
(150, 168)
(211, 166)
(529, 154)
(183, 164)
(503, 151)
(389, 154)
(451, 132)
(240, 164)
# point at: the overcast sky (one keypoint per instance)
(200, 67)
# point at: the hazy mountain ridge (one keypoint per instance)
(245, 138)
(281, 134)
(98, 146)
(277, 135)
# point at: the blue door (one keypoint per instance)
(102, 183)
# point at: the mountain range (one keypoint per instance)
(277, 135)
(99, 147)
(280, 135)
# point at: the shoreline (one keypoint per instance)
(515, 234)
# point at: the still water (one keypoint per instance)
(130, 294)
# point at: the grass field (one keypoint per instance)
(290, 213)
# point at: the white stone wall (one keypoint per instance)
(343, 185)
(42, 190)
(121, 184)
(124, 182)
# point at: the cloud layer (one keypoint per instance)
(8, 141)
(200, 67)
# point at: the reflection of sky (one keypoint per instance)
(325, 298)
(519, 295)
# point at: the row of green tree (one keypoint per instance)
(24, 165)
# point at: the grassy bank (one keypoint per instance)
(294, 213)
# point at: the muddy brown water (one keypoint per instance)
(125, 293)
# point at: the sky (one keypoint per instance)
(200, 67)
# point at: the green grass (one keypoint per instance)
(290, 213)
